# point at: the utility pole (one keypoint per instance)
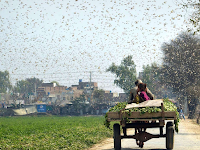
(35, 90)
(35, 95)
(90, 84)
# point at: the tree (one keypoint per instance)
(125, 74)
(79, 102)
(150, 76)
(147, 76)
(180, 69)
(21, 87)
(5, 84)
(98, 95)
(27, 86)
(194, 18)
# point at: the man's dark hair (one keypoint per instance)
(138, 82)
(142, 86)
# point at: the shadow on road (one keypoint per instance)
(188, 134)
(134, 149)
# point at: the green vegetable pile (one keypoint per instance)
(168, 106)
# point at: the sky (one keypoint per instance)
(64, 41)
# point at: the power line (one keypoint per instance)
(56, 73)
(71, 77)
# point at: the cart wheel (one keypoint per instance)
(137, 142)
(168, 125)
(169, 135)
(117, 137)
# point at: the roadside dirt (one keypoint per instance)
(191, 127)
(185, 126)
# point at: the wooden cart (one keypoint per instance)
(141, 122)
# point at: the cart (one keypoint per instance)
(141, 122)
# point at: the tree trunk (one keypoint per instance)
(192, 109)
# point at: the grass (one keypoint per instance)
(51, 132)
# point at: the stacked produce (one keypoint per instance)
(168, 106)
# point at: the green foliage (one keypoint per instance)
(27, 86)
(168, 106)
(21, 87)
(51, 132)
(98, 95)
(4, 81)
(144, 110)
(147, 76)
(125, 73)
(193, 99)
(79, 102)
(150, 76)
(118, 107)
(180, 70)
(181, 62)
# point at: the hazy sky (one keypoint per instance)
(65, 40)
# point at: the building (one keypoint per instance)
(85, 88)
(51, 92)
(89, 85)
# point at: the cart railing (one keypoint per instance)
(137, 116)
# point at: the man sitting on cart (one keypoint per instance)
(134, 98)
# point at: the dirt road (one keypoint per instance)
(188, 138)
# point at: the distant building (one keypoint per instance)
(50, 88)
(48, 84)
(85, 88)
(50, 91)
(83, 85)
